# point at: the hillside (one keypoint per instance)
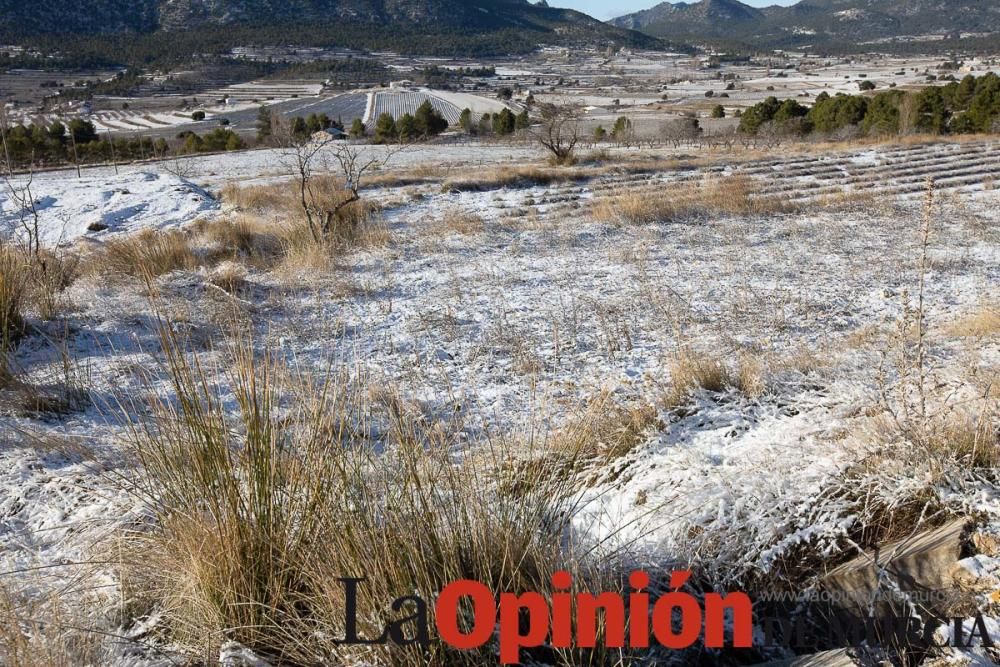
(346, 22)
(818, 22)
(709, 17)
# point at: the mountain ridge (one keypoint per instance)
(811, 22)
(23, 19)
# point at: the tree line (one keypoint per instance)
(971, 105)
(78, 142)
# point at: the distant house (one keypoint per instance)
(329, 133)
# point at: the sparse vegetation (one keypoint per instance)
(732, 195)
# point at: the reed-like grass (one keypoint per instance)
(270, 488)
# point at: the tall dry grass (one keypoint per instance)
(15, 278)
(43, 633)
(274, 231)
(732, 195)
(260, 510)
(512, 176)
(149, 252)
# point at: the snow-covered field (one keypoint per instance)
(524, 317)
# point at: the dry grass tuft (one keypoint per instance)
(971, 440)
(733, 195)
(258, 198)
(243, 238)
(229, 276)
(691, 371)
(260, 511)
(148, 253)
(40, 634)
(750, 377)
(15, 277)
(983, 323)
(606, 430)
(459, 222)
(511, 177)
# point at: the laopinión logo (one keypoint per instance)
(468, 616)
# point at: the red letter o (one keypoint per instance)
(484, 614)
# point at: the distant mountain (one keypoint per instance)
(20, 19)
(708, 17)
(816, 22)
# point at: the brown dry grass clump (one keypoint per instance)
(510, 177)
(260, 511)
(733, 195)
(983, 323)
(40, 633)
(459, 222)
(606, 430)
(691, 371)
(257, 198)
(147, 253)
(15, 277)
(284, 198)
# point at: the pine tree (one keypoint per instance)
(357, 128)
(264, 124)
(504, 123)
(428, 120)
(465, 120)
(385, 129)
(406, 127)
(523, 121)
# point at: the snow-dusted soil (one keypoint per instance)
(96, 206)
(517, 325)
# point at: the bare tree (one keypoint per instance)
(559, 131)
(681, 130)
(351, 162)
(21, 197)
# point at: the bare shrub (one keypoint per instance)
(333, 218)
(558, 131)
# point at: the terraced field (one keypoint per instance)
(885, 172)
(397, 104)
(449, 104)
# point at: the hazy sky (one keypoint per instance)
(603, 9)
